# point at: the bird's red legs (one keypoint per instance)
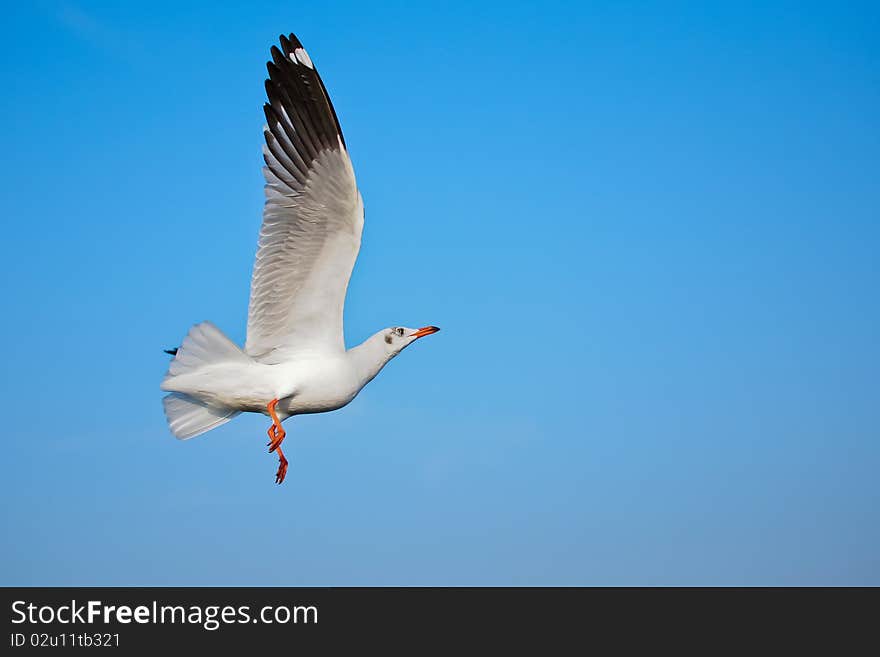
(276, 431)
(276, 436)
(282, 467)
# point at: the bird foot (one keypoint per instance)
(275, 438)
(282, 469)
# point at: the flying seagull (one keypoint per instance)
(294, 360)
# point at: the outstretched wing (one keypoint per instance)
(312, 220)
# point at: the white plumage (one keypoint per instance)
(308, 244)
(294, 360)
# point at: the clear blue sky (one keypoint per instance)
(649, 231)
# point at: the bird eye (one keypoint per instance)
(400, 332)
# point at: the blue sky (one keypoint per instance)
(649, 232)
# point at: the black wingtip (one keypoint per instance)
(295, 84)
(277, 55)
(170, 352)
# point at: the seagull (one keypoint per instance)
(294, 359)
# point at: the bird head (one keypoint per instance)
(398, 338)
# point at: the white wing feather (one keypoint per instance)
(312, 219)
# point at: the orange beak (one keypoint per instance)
(425, 330)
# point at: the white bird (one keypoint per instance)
(294, 360)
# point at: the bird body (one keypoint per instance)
(294, 360)
(309, 382)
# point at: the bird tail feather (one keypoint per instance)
(203, 346)
(188, 417)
